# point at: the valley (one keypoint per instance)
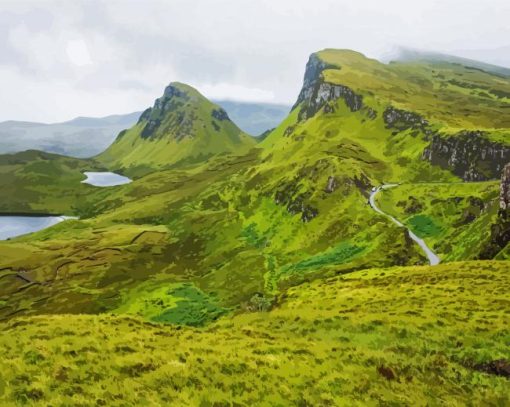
(357, 254)
(431, 256)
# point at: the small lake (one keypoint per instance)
(17, 225)
(105, 179)
(12, 226)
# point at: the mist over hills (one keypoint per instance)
(87, 136)
(80, 137)
(409, 54)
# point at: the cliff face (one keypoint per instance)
(468, 155)
(402, 120)
(316, 93)
(504, 190)
(500, 231)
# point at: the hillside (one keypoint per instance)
(38, 182)
(399, 336)
(216, 230)
(407, 54)
(293, 209)
(182, 127)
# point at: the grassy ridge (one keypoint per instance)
(447, 94)
(350, 340)
(38, 182)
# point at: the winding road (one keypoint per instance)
(431, 256)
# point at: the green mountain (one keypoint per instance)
(246, 272)
(88, 136)
(182, 127)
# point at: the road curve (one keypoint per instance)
(431, 256)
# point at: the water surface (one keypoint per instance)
(105, 179)
(12, 226)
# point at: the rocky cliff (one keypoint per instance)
(500, 230)
(316, 93)
(504, 190)
(469, 155)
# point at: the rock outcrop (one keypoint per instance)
(504, 189)
(500, 230)
(469, 155)
(316, 93)
(404, 120)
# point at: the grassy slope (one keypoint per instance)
(232, 226)
(187, 132)
(38, 182)
(400, 336)
(196, 226)
(452, 218)
(454, 96)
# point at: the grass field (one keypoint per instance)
(399, 336)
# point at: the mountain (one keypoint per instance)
(80, 137)
(88, 136)
(254, 118)
(182, 127)
(288, 250)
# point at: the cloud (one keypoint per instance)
(227, 91)
(78, 52)
(85, 57)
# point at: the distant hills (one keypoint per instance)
(80, 137)
(255, 118)
(87, 136)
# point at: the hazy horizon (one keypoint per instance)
(60, 60)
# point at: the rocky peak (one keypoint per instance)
(176, 107)
(316, 93)
(314, 68)
(173, 90)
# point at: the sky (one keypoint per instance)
(62, 59)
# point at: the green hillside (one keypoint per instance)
(449, 94)
(38, 182)
(258, 222)
(452, 217)
(182, 127)
(400, 336)
(214, 227)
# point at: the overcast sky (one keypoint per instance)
(61, 59)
